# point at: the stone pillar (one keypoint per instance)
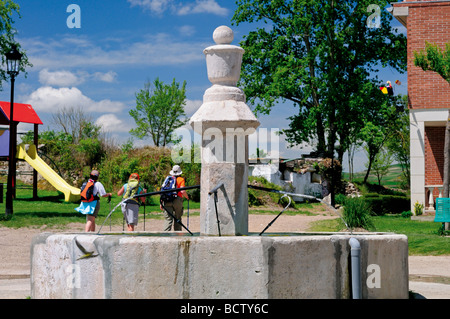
(224, 121)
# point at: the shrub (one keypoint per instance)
(387, 204)
(357, 213)
(339, 199)
(406, 214)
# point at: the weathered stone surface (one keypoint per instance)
(208, 267)
(224, 121)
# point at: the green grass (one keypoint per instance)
(423, 237)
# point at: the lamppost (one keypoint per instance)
(13, 58)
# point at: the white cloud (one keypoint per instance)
(186, 30)
(180, 7)
(108, 77)
(156, 49)
(65, 78)
(192, 106)
(59, 78)
(154, 6)
(111, 123)
(203, 6)
(49, 99)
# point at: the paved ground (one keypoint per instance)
(429, 275)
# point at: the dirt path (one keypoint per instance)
(429, 276)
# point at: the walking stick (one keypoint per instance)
(188, 215)
(109, 201)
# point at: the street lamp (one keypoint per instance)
(13, 58)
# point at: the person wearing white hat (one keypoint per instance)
(175, 206)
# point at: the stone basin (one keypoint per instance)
(177, 265)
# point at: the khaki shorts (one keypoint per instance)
(130, 212)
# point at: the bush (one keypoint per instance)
(357, 213)
(387, 204)
(339, 199)
(406, 214)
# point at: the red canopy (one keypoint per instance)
(22, 113)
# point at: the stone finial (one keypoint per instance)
(223, 35)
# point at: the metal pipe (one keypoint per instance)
(144, 195)
(355, 252)
(303, 196)
(270, 224)
(214, 191)
(166, 191)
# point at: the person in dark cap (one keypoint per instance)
(98, 191)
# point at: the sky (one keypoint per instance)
(101, 60)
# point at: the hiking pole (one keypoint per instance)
(217, 214)
(188, 215)
(270, 224)
(109, 215)
(145, 188)
(109, 202)
(176, 219)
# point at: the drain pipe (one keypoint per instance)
(355, 253)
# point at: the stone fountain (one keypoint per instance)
(224, 260)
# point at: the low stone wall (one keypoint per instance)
(146, 265)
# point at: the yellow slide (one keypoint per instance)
(71, 194)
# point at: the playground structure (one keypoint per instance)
(71, 194)
(26, 114)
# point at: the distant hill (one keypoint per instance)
(392, 179)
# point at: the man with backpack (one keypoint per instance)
(173, 202)
(130, 207)
(91, 191)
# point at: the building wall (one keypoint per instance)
(426, 137)
(434, 155)
(427, 21)
(428, 94)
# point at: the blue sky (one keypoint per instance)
(120, 45)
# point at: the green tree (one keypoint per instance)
(7, 11)
(433, 58)
(159, 111)
(399, 141)
(381, 164)
(320, 55)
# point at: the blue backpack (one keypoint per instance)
(169, 183)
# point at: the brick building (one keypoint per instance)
(429, 97)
